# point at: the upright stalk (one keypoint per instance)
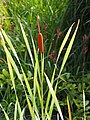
(42, 72)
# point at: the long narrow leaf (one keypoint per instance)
(13, 83)
(9, 43)
(15, 111)
(19, 76)
(59, 53)
(84, 104)
(22, 114)
(37, 83)
(48, 117)
(6, 116)
(17, 71)
(54, 96)
(48, 97)
(64, 41)
(69, 109)
(27, 44)
(30, 108)
(69, 48)
(30, 92)
(52, 102)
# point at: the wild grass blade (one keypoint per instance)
(84, 104)
(36, 83)
(16, 69)
(35, 79)
(69, 109)
(31, 95)
(48, 97)
(69, 48)
(30, 108)
(34, 48)
(9, 43)
(6, 115)
(15, 111)
(64, 41)
(48, 117)
(54, 96)
(22, 114)
(11, 74)
(52, 102)
(42, 78)
(19, 76)
(27, 44)
(13, 83)
(59, 53)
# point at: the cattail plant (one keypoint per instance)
(40, 39)
(40, 104)
(40, 43)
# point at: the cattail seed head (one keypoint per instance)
(40, 43)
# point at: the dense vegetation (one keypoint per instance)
(40, 79)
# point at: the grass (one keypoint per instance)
(33, 84)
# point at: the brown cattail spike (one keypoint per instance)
(40, 43)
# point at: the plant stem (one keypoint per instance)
(42, 71)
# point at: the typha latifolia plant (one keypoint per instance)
(40, 105)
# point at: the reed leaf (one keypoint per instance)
(84, 104)
(69, 109)
(69, 48)
(13, 83)
(22, 114)
(19, 76)
(27, 44)
(15, 111)
(52, 102)
(59, 53)
(6, 115)
(54, 96)
(64, 41)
